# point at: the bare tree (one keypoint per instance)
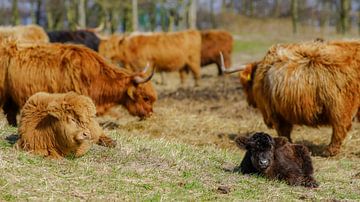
(135, 15)
(294, 15)
(277, 8)
(82, 13)
(344, 16)
(212, 14)
(192, 14)
(71, 14)
(15, 20)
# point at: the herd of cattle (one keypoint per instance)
(311, 83)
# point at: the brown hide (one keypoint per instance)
(309, 84)
(56, 125)
(24, 33)
(59, 68)
(166, 51)
(213, 42)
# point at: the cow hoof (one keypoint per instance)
(311, 184)
(330, 151)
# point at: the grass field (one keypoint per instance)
(183, 152)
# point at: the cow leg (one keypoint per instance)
(163, 82)
(182, 73)
(106, 141)
(283, 128)
(337, 138)
(11, 110)
(195, 69)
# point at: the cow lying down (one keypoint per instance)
(56, 125)
(276, 158)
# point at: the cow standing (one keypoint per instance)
(84, 37)
(313, 84)
(24, 33)
(178, 51)
(213, 42)
(26, 69)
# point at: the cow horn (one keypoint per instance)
(139, 79)
(230, 70)
(99, 28)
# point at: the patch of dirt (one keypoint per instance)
(222, 189)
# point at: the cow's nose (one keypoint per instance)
(264, 162)
(86, 135)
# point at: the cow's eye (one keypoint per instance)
(146, 99)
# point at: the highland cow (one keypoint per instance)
(178, 51)
(312, 83)
(276, 158)
(86, 38)
(57, 125)
(59, 68)
(213, 42)
(24, 33)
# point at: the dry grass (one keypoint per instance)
(184, 152)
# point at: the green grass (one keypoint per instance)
(251, 47)
(147, 169)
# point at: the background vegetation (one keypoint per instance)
(185, 150)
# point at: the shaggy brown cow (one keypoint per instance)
(59, 68)
(56, 125)
(178, 51)
(276, 158)
(24, 33)
(213, 42)
(313, 84)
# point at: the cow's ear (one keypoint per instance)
(241, 142)
(280, 141)
(245, 75)
(130, 92)
(54, 109)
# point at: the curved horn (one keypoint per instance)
(230, 70)
(99, 28)
(139, 79)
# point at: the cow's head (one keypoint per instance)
(247, 81)
(70, 119)
(140, 95)
(247, 74)
(261, 147)
(112, 48)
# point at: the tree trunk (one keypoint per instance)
(294, 15)
(135, 21)
(325, 10)
(15, 20)
(82, 13)
(344, 16)
(49, 17)
(192, 14)
(251, 8)
(277, 8)
(163, 16)
(212, 15)
(71, 14)
(127, 18)
(38, 11)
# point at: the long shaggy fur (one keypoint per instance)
(24, 33)
(212, 43)
(56, 125)
(59, 68)
(165, 51)
(87, 38)
(309, 84)
(285, 161)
